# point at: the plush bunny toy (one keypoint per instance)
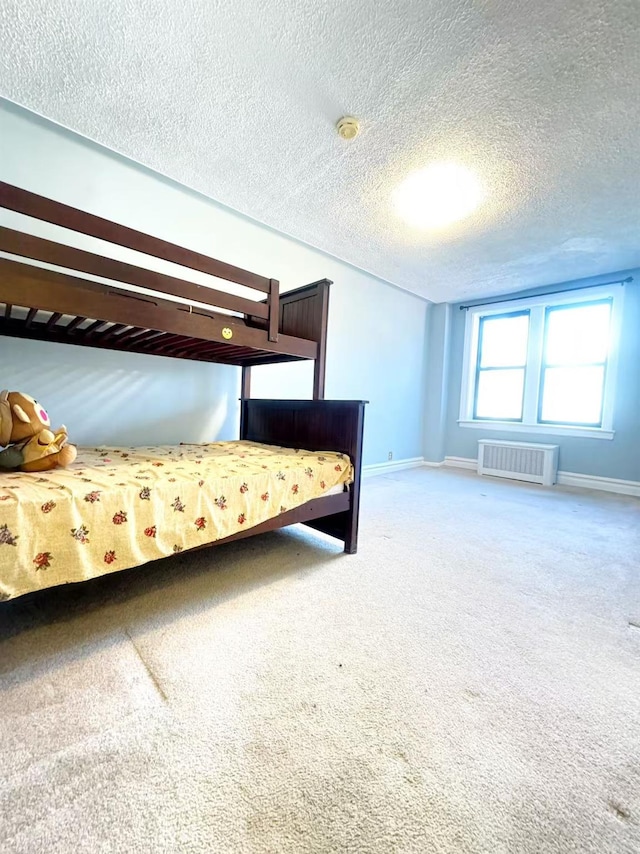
(29, 444)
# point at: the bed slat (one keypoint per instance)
(93, 327)
(146, 337)
(115, 330)
(131, 335)
(55, 317)
(74, 323)
(201, 347)
(170, 342)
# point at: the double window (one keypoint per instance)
(544, 364)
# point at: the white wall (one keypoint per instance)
(376, 332)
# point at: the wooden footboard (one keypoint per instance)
(315, 425)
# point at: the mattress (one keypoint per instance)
(115, 508)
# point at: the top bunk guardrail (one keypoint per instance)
(40, 303)
(37, 249)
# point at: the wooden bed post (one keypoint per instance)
(245, 389)
(245, 394)
(318, 379)
(273, 301)
(322, 318)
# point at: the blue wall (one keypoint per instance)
(376, 340)
(617, 458)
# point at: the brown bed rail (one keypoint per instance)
(30, 204)
(142, 310)
(60, 255)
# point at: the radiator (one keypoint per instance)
(518, 461)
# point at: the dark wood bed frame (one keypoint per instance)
(141, 310)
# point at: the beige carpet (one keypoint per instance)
(469, 682)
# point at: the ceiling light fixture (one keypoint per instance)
(437, 196)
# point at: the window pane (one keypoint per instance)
(504, 340)
(499, 394)
(578, 335)
(573, 395)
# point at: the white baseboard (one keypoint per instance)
(607, 484)
(461, 463)
(391, 466)
(453, 462)
(565, 478)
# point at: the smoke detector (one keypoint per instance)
(348, 127)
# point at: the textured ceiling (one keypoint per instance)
(239, 100)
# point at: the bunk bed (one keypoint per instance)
(51, 291)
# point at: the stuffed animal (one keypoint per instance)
(21, 417)
(31, 445)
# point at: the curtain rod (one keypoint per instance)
(626, 281)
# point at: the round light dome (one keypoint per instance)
(438, 195)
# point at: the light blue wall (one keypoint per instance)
(376, 338)
(618, 458)
(106, 397)
(376, 352)
(437, 360)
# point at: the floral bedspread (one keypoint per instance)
(120, 507)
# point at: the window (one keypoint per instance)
(543, 365)
(574, 363)
(501, 366)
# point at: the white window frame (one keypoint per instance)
(536, 305)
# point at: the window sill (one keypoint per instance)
(542, 429)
